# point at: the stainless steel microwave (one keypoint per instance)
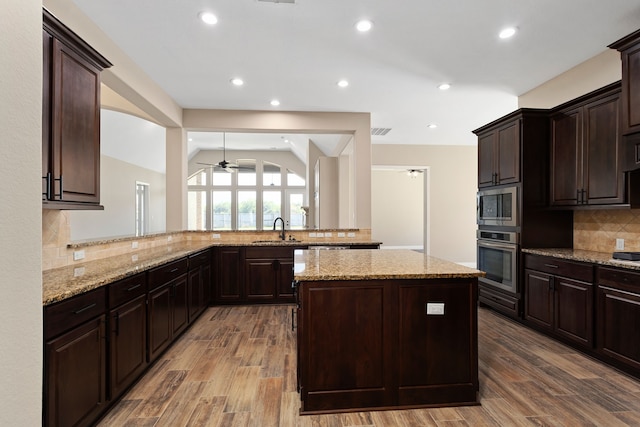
(498, 206)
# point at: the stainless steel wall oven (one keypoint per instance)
(498, 258)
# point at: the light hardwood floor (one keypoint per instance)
(236, 367)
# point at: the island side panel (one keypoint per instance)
(369, 344)
(346, 345)
(438, 342)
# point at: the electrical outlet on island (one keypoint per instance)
(619, 244)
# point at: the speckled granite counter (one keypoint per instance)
(315, 265)
(601, 258)
(59, 284)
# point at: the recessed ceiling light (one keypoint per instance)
(364, 25)
(507, 32)
(236, 81)
(444, 86)
(432, 126)
(208, 18)
(275, 102)
(343, 83)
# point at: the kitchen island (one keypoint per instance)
(385, 329)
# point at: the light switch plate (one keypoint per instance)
(351, 234)
(319, 234)
(78, 255)
(340, 234)
(215, 235)
(312, 234)
(435, 308)
(619, 244)
(134, 245)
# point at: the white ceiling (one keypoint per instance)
(297, 52)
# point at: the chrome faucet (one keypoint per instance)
(281, 235)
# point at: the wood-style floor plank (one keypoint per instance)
(236, 367)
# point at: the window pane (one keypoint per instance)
(247, 210)
(271, 208)
(246, 172)
(294, 179)
(198, 178)
(296, 214)
(271, 175)
(221, 177)
(197, 210)
(221, 210)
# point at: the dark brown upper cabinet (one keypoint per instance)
(586, 152)
(499, 154)
(629, 48)
(70, 118)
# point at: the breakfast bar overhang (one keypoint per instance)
(384, 329)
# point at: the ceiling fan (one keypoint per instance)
(223, 164)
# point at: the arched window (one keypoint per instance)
(251, 198)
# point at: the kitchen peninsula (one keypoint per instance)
(385, 329)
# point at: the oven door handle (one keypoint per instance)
(498, 245)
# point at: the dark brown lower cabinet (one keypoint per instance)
(268, 274)
(376, 343)
(127, 344)
(168, 310)
(75, 380)
(199, 283)
(559, 298)
(618, 317)
(229, 284)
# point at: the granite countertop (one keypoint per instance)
(600, 258)
(61, 283)
(363, 264)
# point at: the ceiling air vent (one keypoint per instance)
(277, 1)
(379, 131)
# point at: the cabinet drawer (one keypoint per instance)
(65, 315)
(269, 252)
(127, 289)
(161, 275)
(201, 258)
(559, 267)
(619, 279)
(494, 298)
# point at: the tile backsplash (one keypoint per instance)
(597, 230)
(58, 250)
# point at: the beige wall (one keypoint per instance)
(451, 190)
(117, 195)
(397, 209)
(20, 213)
(590, 75)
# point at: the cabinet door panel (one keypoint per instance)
(631, 89)
(486, 168)
(618, 337)
(195, 292)
(603, 178)
(159, 321)
(565, 158)
(285, 277)
(509, 154)
(128, 344)
(260, 279)
(435, 349)
(228, 275)
(538, 298)
(574, 310)
(76, 375)
(76, 126)
(361, 351)
(180, 305)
